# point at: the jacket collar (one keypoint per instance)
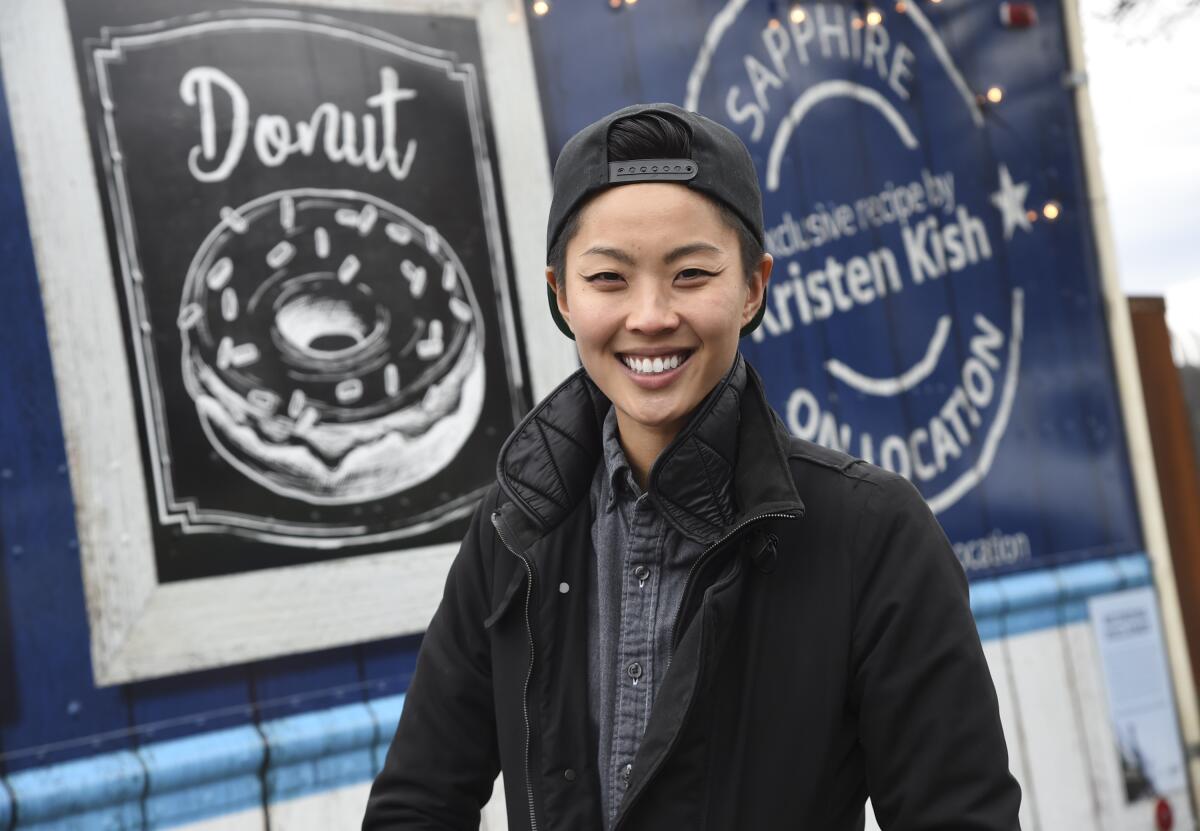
(716, 451)
(708, 480)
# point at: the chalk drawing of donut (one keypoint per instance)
(332, 345)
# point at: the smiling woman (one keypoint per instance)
(710, 609)
(656, 295)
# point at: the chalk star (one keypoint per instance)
(1010, 201)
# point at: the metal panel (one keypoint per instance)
(1058, 765)
(200, 777)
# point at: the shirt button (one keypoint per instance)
(569, 774)
(641, 573)
(634, 670)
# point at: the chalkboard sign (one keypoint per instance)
(312, 272)
(277, 247)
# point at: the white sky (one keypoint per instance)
(1144, 79)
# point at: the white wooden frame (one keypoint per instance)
(139, 628)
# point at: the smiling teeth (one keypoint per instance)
(652, 366)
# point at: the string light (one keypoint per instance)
(1031, 215)
(857, 23)
(874, 17)
(540, 7)
(773, 23)
(1018, 15)
(1051, 210)
(630, 2)
(615, 4)
(995, 95)
(901, 8)
(796, 15)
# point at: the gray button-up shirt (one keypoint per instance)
(642, 563)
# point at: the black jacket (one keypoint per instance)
(824, 649)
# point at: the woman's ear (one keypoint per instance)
(757, 288)
(560, 294)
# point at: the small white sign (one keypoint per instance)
(1140, 701)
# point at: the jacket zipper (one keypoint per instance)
(699, 561)
(529, 673)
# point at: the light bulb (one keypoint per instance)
(796, 15)
(995, 95)
(874, 17)
(1051, 210)
(540, 7)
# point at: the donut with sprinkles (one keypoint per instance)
(332, 345)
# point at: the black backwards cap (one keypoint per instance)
(720, 167)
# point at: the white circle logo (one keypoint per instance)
(895, 299)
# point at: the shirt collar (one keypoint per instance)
(616, 464)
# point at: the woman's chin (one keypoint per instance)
(638, 415)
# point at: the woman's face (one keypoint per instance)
(656, 296)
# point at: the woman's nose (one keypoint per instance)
(653, 309)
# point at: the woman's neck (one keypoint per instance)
(643, 444)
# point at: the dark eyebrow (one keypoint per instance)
(605, 251)
(691, 248)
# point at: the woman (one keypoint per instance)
(669, 613)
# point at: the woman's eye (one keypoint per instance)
(602, 277)
(694, 273)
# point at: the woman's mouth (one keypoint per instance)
(654, 364)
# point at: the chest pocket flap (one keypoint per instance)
(510, 592)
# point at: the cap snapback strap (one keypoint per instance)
(652, 170)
